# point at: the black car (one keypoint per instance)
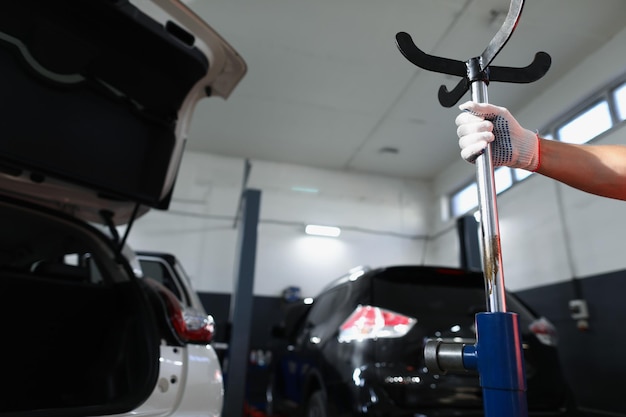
(357, 349)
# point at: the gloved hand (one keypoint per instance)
(482, 123)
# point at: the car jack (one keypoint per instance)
(497, 354)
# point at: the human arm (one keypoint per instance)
(596, 169)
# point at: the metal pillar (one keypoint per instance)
(241, 307)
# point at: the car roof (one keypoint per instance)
(423, 274)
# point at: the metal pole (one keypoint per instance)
(489, 227)
(502, 376)
(241, 307)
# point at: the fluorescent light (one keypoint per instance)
(317, 230)
(305, 190)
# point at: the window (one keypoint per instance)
(521, 174)
(464, 200)
(503, 178)
(587, 125)
(619, 95)
(159, 271)
(580, 127)
(329, 310)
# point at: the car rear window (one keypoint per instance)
(436, 296)
(418, 299)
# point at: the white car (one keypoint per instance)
(97, 99)
(203, 390)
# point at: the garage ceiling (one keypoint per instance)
(327, 87)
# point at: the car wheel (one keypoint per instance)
(316, 405)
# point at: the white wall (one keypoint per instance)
(384, 221)
(549, 232)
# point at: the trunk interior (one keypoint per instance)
(80, 336)
(74, 344)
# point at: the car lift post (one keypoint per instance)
(241, 305)
(497, 354)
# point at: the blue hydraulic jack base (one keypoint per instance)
(498, 358)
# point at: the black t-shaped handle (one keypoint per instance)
(470, 70)
(477, 69)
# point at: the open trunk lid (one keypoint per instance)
(98, 96)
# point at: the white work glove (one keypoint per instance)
(482, 123)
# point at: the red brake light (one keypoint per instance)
(544, 330)
(367, 322)
(191, 325)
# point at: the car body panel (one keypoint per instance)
(205, 385)
(190, 382)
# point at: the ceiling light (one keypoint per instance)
(317, 230)
(310, 190)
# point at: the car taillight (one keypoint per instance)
(544, 330)
(191, 325)
(367, 322)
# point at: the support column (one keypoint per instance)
(241, 307)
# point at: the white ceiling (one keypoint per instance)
(327, 87)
